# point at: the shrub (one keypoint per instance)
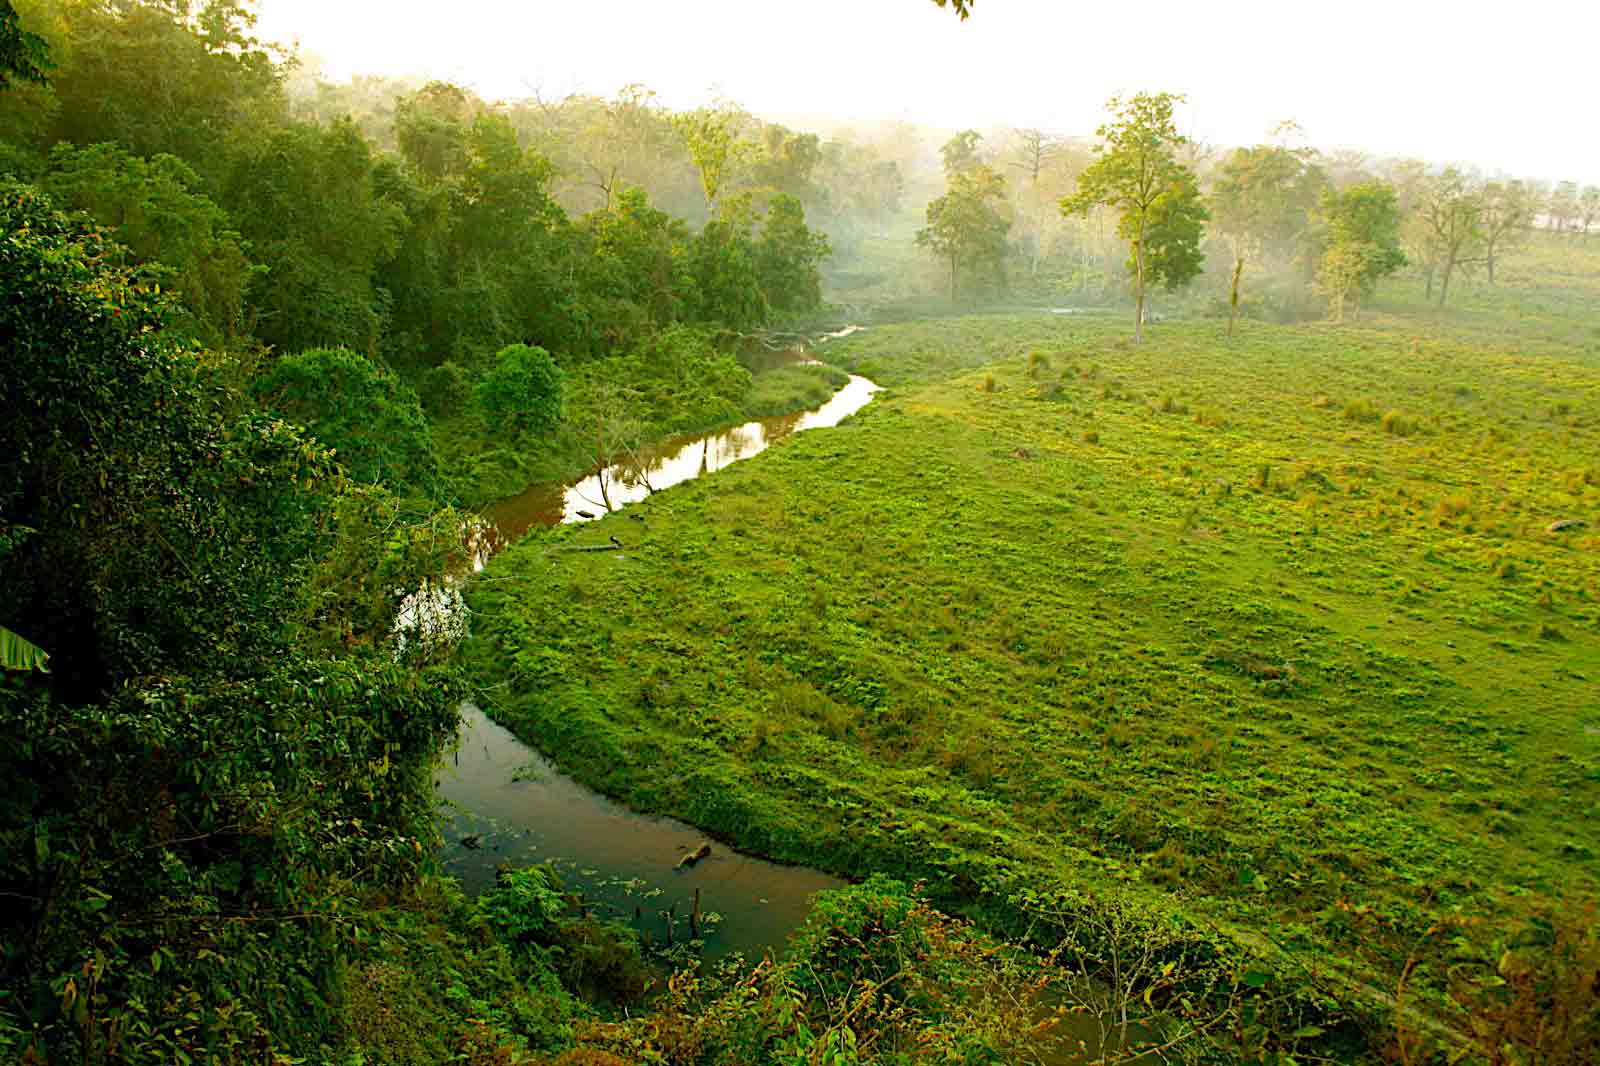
(1398, 424)
(370, 418)
(523, 391)
(1360, 411)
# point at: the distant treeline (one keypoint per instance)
(418, 224)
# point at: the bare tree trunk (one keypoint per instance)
(1138, 286)
(1233, 297)
(953, 279)
(1444, 282)
(1488, 257)
(1427, 278)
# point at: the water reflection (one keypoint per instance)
(673, 461)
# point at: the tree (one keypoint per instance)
(1359, 238)
(962, 8)
(716, 146)
(1034, 150)
(722, 262)
(1505, 221)
(622, 142)
(1563, 206)
(965, 225)
(24, 56)
(523, 391)
(306, 198)
(961, 154)
(788, 255)
(194, 797)
(156, 210)
(1135, 169)
(1260, 202)
(1450, 210)
(373, 421)
(1172, 235)
(185, 78)
(1588, 209)
(431, 128)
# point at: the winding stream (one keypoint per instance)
(503, 802)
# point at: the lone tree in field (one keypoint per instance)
(1137, 173)
(965, 225)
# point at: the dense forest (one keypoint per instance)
(1193, 466)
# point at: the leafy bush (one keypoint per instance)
(523, 391)
(369, 417)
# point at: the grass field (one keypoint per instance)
(1272, 635)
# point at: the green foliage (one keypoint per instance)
(1172, 235)
(724, 266)
(788, 256)
(155, 209)
(195, 802)
(188, 79)
(1137, 174)
(966, 225)
(522, 391)
(18, 653)
(305, 197)
(371, 420)
(714, 139)
(445, 389)
(165, 523)
(23, 55)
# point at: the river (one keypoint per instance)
(503, 802)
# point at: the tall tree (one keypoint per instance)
(1562, 209)
(1032, 154)
(1451, 211)
(962, 153)
(1588, 209)
(1135, 170)
(1260, 202)
(715, 140)
(1507, 216)
(965, 225)
(1359, 237)
(185, 77)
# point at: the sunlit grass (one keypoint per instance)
(1274, 631)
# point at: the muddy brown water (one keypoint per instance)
(501, 802)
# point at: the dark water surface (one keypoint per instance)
(523, 810)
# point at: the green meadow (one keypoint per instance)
(1278, 638)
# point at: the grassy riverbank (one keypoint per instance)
(676, 383)
(1272, 633)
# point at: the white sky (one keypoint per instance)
(1508, 87)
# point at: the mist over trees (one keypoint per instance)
(266, 333)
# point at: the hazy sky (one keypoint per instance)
(1507, 86)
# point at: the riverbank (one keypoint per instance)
(627, 402)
